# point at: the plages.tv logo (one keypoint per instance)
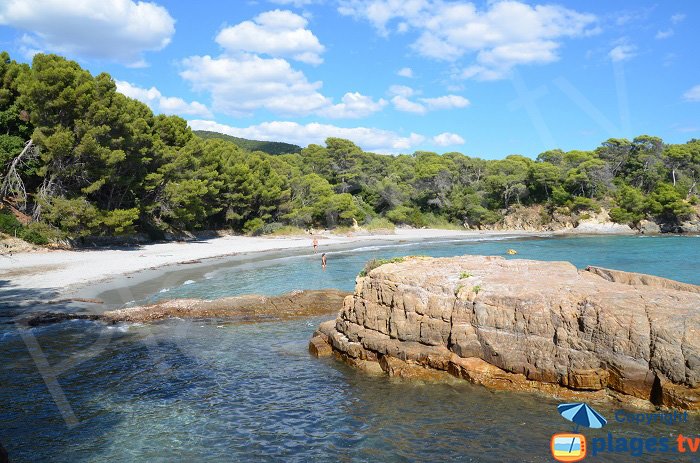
(571, 447)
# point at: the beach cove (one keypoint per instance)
(214, 391)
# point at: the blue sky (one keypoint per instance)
(487, 78)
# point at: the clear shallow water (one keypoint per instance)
(675, 257)
(206, 391)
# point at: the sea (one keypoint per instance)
(212, 391)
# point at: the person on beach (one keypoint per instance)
(315, 243)
(323, 261)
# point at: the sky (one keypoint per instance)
(488, 78)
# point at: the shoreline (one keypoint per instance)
(86, 273)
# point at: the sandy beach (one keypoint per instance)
(64, 272)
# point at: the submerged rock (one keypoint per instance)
(4, 458)
(49, 318)
(525, 325)
(247, 308)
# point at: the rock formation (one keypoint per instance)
(247, 308)
(524, 325)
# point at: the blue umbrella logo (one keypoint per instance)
(581, 414)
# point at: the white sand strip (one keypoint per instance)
(55, 270)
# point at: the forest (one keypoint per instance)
(79, 159)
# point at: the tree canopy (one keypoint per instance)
(83, 159)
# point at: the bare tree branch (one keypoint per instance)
(12, 182)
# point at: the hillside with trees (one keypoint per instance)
(79, 159)
(269, 147)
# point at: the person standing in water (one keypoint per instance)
(323, 261)
(315, 243)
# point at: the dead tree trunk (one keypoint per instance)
(12, 182)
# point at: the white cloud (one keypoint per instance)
(163, 104)
(354, 105)
(242, 81)
(242, 84)
(622, 52)
(119, 30)
(380, 12)
(502, 35)
(276, 33)
(664, 34)
(296, 3)
(677, 18)
(401, 90)
(402, 103)
(370, 139)
(693, 94)
(446, 102)
(405, 72)
(448, 139)
(239, 85)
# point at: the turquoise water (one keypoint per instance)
(675, 257)
(208, 391)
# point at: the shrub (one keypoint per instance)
(406, 215)
(374, 263)
(464, 275)
(380, 223)
(619, 215)
(280, 229)
(581, 203)
(33, 236)
(254, 227)
(42, 233)
(9, 223)
(435, 221)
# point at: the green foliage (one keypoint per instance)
(374, 263)
(269, 147)
(9, 223)
(631, 205)
(667, 203)
(405, 215)
(583, 204)
(280, 229)
(34, 232)
(34, 236)
(108, 166)
(464, 275)
(254, 227)
(380, 224)
(476, 289)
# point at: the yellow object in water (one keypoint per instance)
(511, 251)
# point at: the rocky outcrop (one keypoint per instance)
(691, 226)
(524, 325)
(248, 308)
(647, 227)
(593, 227)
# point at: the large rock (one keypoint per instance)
(648, 227)
(691, 226)
(525, 325)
